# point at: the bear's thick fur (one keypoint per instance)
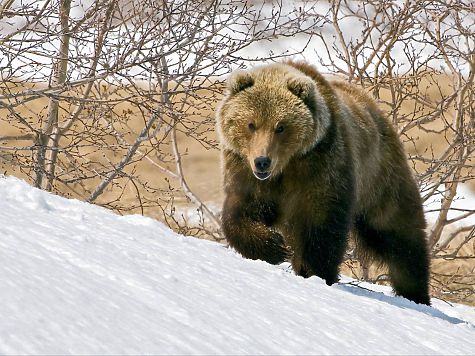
(305, 162)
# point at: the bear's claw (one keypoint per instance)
(276, 251)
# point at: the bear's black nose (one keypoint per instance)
(262, 163)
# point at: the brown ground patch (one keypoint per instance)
(201, 167)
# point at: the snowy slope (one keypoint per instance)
(75, 278)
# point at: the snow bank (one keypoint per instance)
(75, 278)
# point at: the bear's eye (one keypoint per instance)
(279, 129)
(251, 126)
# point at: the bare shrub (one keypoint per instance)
(93, 91)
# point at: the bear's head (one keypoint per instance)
(269, 115)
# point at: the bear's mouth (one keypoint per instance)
(262, 175)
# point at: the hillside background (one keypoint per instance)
(79, 279)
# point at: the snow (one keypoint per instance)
(77, 279)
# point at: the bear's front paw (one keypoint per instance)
(275, 249)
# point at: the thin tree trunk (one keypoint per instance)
(59, 132)
(60, 73)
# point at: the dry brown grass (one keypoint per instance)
(202, 170)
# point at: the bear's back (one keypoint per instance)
(377, 152)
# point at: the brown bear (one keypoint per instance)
(307, 161)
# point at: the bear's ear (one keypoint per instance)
(239, 81)
(304, 88)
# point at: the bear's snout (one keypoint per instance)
(262, 164)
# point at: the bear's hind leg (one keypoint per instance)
(403, 249)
